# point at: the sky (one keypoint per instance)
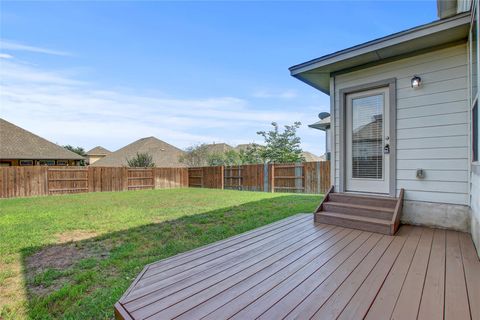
(108, 73)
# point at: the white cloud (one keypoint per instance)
(5, 56)
(62, 109)
(15, 46)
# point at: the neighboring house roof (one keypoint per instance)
(370, 131)
(163, 154)
(98, 151)
(218, 147)
(317, 72)
(308, 156)
(244, 146)
(322, 124)
(18, 143)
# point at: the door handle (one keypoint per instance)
(386, 149)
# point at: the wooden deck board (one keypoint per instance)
(282, 248)
(161, 281)
(232, 300)
(359, 304)
(456, 299)
(433, 296)
(298, 269)
(472, 273)
(408, 302)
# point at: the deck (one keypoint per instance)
(295, 268)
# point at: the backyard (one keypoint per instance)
(73, 256)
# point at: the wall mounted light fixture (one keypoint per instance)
(416, 82)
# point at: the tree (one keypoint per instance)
(141, 160)
(253, 154)
(227, 158)
(232, 158)
(282, 147)
(77, 150)
(195, 156)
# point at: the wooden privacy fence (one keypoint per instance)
(36, 181)
(206, 177)
(307, 177)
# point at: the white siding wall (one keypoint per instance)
(432, 123)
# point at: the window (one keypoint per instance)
(26, 162)
(474, 76)
(474, 58)
(47, 162)
(62, 162)
(475, 139)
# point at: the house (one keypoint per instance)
(404, 123)
(404, 116)
(324, 125)
(218, 148)
(163, 154)
(96, 154)
(310, 157)
(242, 146)
(19, 147)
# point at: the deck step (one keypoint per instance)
(360, 210)
(354, 221)
(364, 200)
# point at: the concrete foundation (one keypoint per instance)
(438, 215)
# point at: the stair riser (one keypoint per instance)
(331, 207)
(371, 227)
(383, 203)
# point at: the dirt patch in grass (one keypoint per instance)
(56, 257)
(50, 268)
(41, 290)
(75, 235)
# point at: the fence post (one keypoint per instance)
(319, 178)
(46, 180)
(222, 170)
(272, 178)
(299, 172)
(265, 177)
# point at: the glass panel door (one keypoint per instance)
(367, 144)
(367, 137)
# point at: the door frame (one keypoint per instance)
(391, 85)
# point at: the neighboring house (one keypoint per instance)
(242, 147)
(19, 147)
(404, 112)
(96, 154)
(310, 157)
(163, 154)
(324, 125)
(216, 148)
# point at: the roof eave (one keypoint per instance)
(370, 51)
(323, 127)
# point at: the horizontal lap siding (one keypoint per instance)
(432, 123)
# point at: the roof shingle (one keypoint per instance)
(163, 154)
(18, 143)
(98, 151)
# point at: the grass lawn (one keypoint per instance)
(73, 256)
